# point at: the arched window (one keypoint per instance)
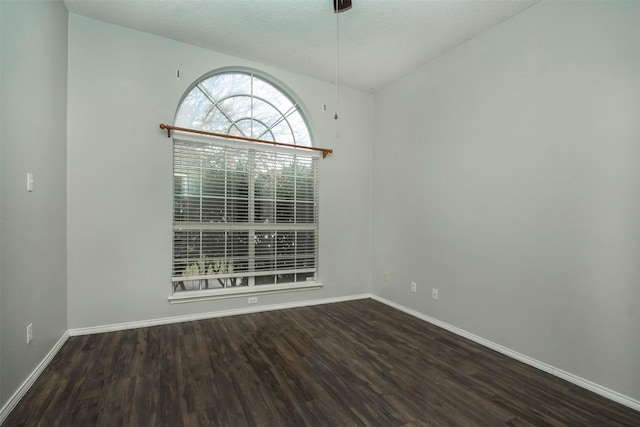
(245, 215)
(241, 103)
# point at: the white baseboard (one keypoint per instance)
(574, 379)
(31, 379)
(209, 315)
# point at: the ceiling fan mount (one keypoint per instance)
(340, 6)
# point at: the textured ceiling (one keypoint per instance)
(380, 40)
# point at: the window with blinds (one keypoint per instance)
(243, 216)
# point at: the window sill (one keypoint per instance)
(194, 296)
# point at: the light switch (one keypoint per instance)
(29, 181)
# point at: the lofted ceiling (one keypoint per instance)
(379, 40)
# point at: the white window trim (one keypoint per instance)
(236, 292)
(205, 295)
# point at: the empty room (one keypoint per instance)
(319, 212)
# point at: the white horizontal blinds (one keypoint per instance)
(242, 216)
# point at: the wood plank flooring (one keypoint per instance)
(346, 364)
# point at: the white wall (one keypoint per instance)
(122, 85)
(32, 139)
(507, 175)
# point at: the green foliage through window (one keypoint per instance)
(243, 215)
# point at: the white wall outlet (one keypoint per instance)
(386, 276)
(434, 293)
(29, 333)
(414, 287)
(253, 300)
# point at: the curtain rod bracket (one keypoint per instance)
(168, 128)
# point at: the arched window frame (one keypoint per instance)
(273, 247)
(286, 92)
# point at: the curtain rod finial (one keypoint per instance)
(163, 126)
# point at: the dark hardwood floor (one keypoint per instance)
(344, 364)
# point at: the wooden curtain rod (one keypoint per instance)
(169, 128)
